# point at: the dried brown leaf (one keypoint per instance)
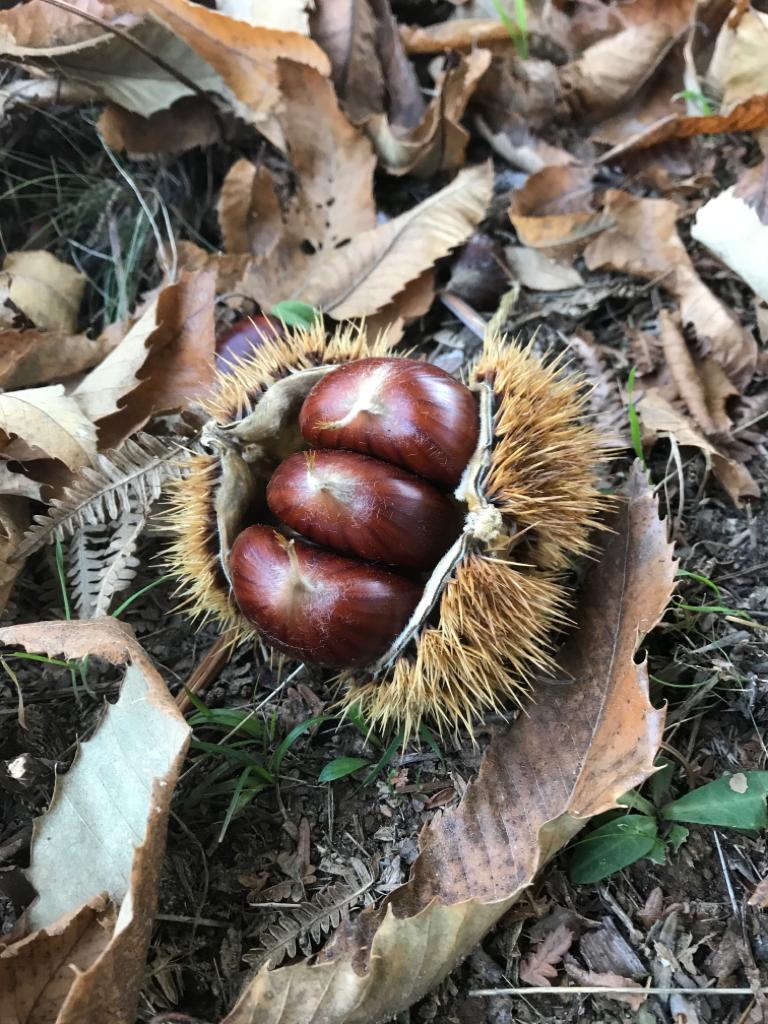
(45, 422)
(531, 796)
(651, 910)
(683, 370)
(178, 363)
(131, 763)
(46, 290)
(612, 70)
(738, 67)
(510, 137)
(245, 57)
(759, 897)
(541, 963)
(250, 216)
(659, 418)
(37, 357)
(37, 25)
(438, 141)
(644, 241)
(529, 89)
(554, 208)
(538, 271)
(347, 32)
(454, 34)
(608, 980)
(15, 517)
(189, 122)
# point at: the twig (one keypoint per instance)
(204, 673)
(599, 990)
(726, 874)
(465, 313)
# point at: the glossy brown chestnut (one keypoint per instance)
(238, 341)
(410, 413)
(364, 506)
(317, 605)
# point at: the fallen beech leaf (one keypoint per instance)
(287, 16)
(659, 418)
(45, 422)
(347, 33)
(454, 34)
(644, 241)
(578, 748)
(36, 357)
(612, 70)
(554, 208)
(738, 67)
(375, 266)
(189, 122)
(734, 225)
(540, 964)
(438, 141)
(46, 290)
(535, 270)
(165, 362)
(112, 809)
(608, 980)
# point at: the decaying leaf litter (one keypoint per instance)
(588, 172)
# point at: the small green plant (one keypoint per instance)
(295, 314)
(619, 839)
(698, 98)
(634, 420)
(518, 29)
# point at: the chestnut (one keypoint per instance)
(317, 605)
(407, 412)
(238, 341)
(364, 506)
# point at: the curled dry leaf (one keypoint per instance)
(541, 963)
(244, 56)
(738, 68)
(14, 520)
(438, 141)
(660, 418)
(165, 361)
(43, 423)
(509, 136)
(535, 270)
(644, 241)
(554, 208)
(612, 70)
(112, 809)
(47, 291)
(454, 34)
(588, 739)
(347, 32)
(734, 225)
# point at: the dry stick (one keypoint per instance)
(204, 674)
(128, 38)
(599, 990)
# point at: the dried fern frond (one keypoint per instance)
(124, 480)
(302, 928)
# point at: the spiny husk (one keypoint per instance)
(505, 597)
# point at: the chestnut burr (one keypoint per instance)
(364, 506)
(407, 412)
(317, 605)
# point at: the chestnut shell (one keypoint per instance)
(405, 411)
(364, 506)
(316, 605)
